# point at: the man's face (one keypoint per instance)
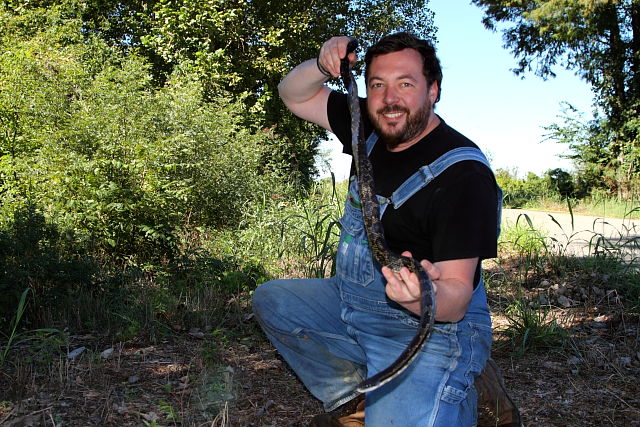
(399, 99)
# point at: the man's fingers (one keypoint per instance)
(332, 52)
(432, 269)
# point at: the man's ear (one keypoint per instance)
(434, 90)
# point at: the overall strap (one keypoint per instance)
(371, 141)
(427, 173)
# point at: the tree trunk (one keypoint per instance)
(635, 53)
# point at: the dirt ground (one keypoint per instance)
(591, 381)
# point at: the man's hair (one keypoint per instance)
(400, 41)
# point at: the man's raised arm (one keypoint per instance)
(303, 90)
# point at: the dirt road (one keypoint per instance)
(582, 235)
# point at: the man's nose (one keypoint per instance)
(390, 95)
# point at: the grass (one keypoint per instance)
(208, 289)
(38, 339)
(598, 207)
(530, 327)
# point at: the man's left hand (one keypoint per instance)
(403, 287)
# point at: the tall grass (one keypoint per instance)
(530, 254)
(530, 327)
(290, 237)
(16, 337)
(591, 206)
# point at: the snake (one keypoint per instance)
(375, 235)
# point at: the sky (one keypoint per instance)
(483, 99)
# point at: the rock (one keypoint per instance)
(107, 353)
(564, 301)
(625, 362)
(199, 334)
(75, 353)
(543, 299)
(151, 416)
(559, 289)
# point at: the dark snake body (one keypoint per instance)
(377, 242)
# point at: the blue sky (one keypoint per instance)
(482, 98)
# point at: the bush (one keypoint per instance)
(34, 254)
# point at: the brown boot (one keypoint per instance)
(351, 414)
(494, 400)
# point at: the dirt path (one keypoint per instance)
(582, 235)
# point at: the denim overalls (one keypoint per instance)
(334, 332)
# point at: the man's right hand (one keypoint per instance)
(303, 90)
(332, 52)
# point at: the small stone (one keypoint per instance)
(75, 353)
(543, 299)
(574, 360)
(151, 416)
(133, 379)
(564, 301)
(107, 353)
(624, 361)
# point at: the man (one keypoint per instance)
(335, 332)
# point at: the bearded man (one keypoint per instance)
(443, 209)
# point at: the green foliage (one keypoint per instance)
(35, 255)
(527, 245)
(605, 159)
(318, 228)
(292, 237)
(246, 47)
(518, 192)
(39, 338)
(115, 159)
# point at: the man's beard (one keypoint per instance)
(414, 124)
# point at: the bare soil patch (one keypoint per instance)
(191, 379)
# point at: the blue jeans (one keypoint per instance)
(335, 332)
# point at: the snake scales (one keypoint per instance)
(375, 235)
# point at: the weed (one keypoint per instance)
(527, 245)
(171, 414)
(35, 336)
(530, 327)
(316, 226)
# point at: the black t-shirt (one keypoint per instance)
(454, 217)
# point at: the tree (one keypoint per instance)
(246, 47)
(600, 40)
(86, 135)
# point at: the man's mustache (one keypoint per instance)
(393, 109)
